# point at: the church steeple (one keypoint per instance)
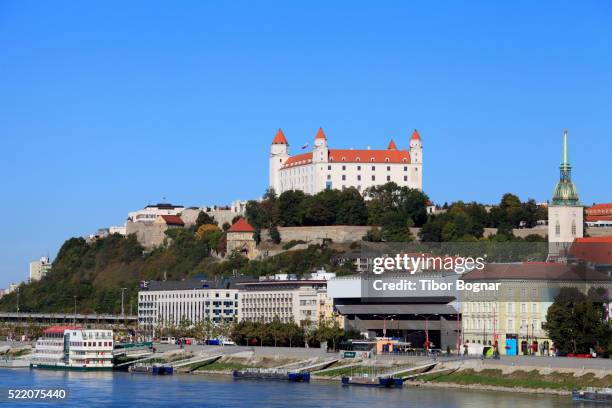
(565, 191)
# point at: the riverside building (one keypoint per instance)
(515, 316)
(167, 303)
(326, 168)
(284, 297)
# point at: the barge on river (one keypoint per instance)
(367, 381)
(272, 374)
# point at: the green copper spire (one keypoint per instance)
(565, 160)
(565, 192)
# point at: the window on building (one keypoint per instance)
(328, 167)
(343, 168)
(344, 177)
(510, 327)
(373, 178)
(358, 168)
(557, 229)
(510, 307)
(329, 176)
(523, 307)
(359, 177)
(574, 228)
(405, 178)
(405, 168)
(388, 178)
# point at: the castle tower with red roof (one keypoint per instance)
(325, 167)
(279, 153)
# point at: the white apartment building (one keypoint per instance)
(326, 168)
(289, 300)
(38, 269)
(163, 304)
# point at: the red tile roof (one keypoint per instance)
(369, 156)
(599, 212)
(536, 271)
(597, 250)
(392, 145)
(353, 156)
(241, 226)
(298, 160)
(599, 217)
(320, 134)
(415, 135)
(60, 329)
(280, 138)
(173, 220)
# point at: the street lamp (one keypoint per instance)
(385, 322)
(122, 310)
(427, 328)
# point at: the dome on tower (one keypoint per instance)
(565, 191)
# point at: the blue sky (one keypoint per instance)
(108, 106)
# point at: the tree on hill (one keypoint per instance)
(275, 235)
(204, 218)
(290, 203)
(461, 222)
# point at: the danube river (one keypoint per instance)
(141, 390)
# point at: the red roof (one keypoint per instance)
(173, 220)
(353, 156)
(536, 271)
(392, 145)
(320, 134)
(298, 160)
(369, 156)
(597, 250)
(241, 226)
(415, 135)
(280, 138)
(60, 329)
(599, 217)
(599, 212)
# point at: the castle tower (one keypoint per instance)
(321, 150)
(565, 214)
(279, 153)
(416, 158)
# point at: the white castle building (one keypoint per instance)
(326, 168)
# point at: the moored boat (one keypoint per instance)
(591, 394)
(74, 348)
(272, 374)
(366, 381)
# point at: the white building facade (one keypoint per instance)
(291, 301)
(163, 304)
(326, 168)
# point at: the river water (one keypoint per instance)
(97, 389)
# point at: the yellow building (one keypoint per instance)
(515, 315)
